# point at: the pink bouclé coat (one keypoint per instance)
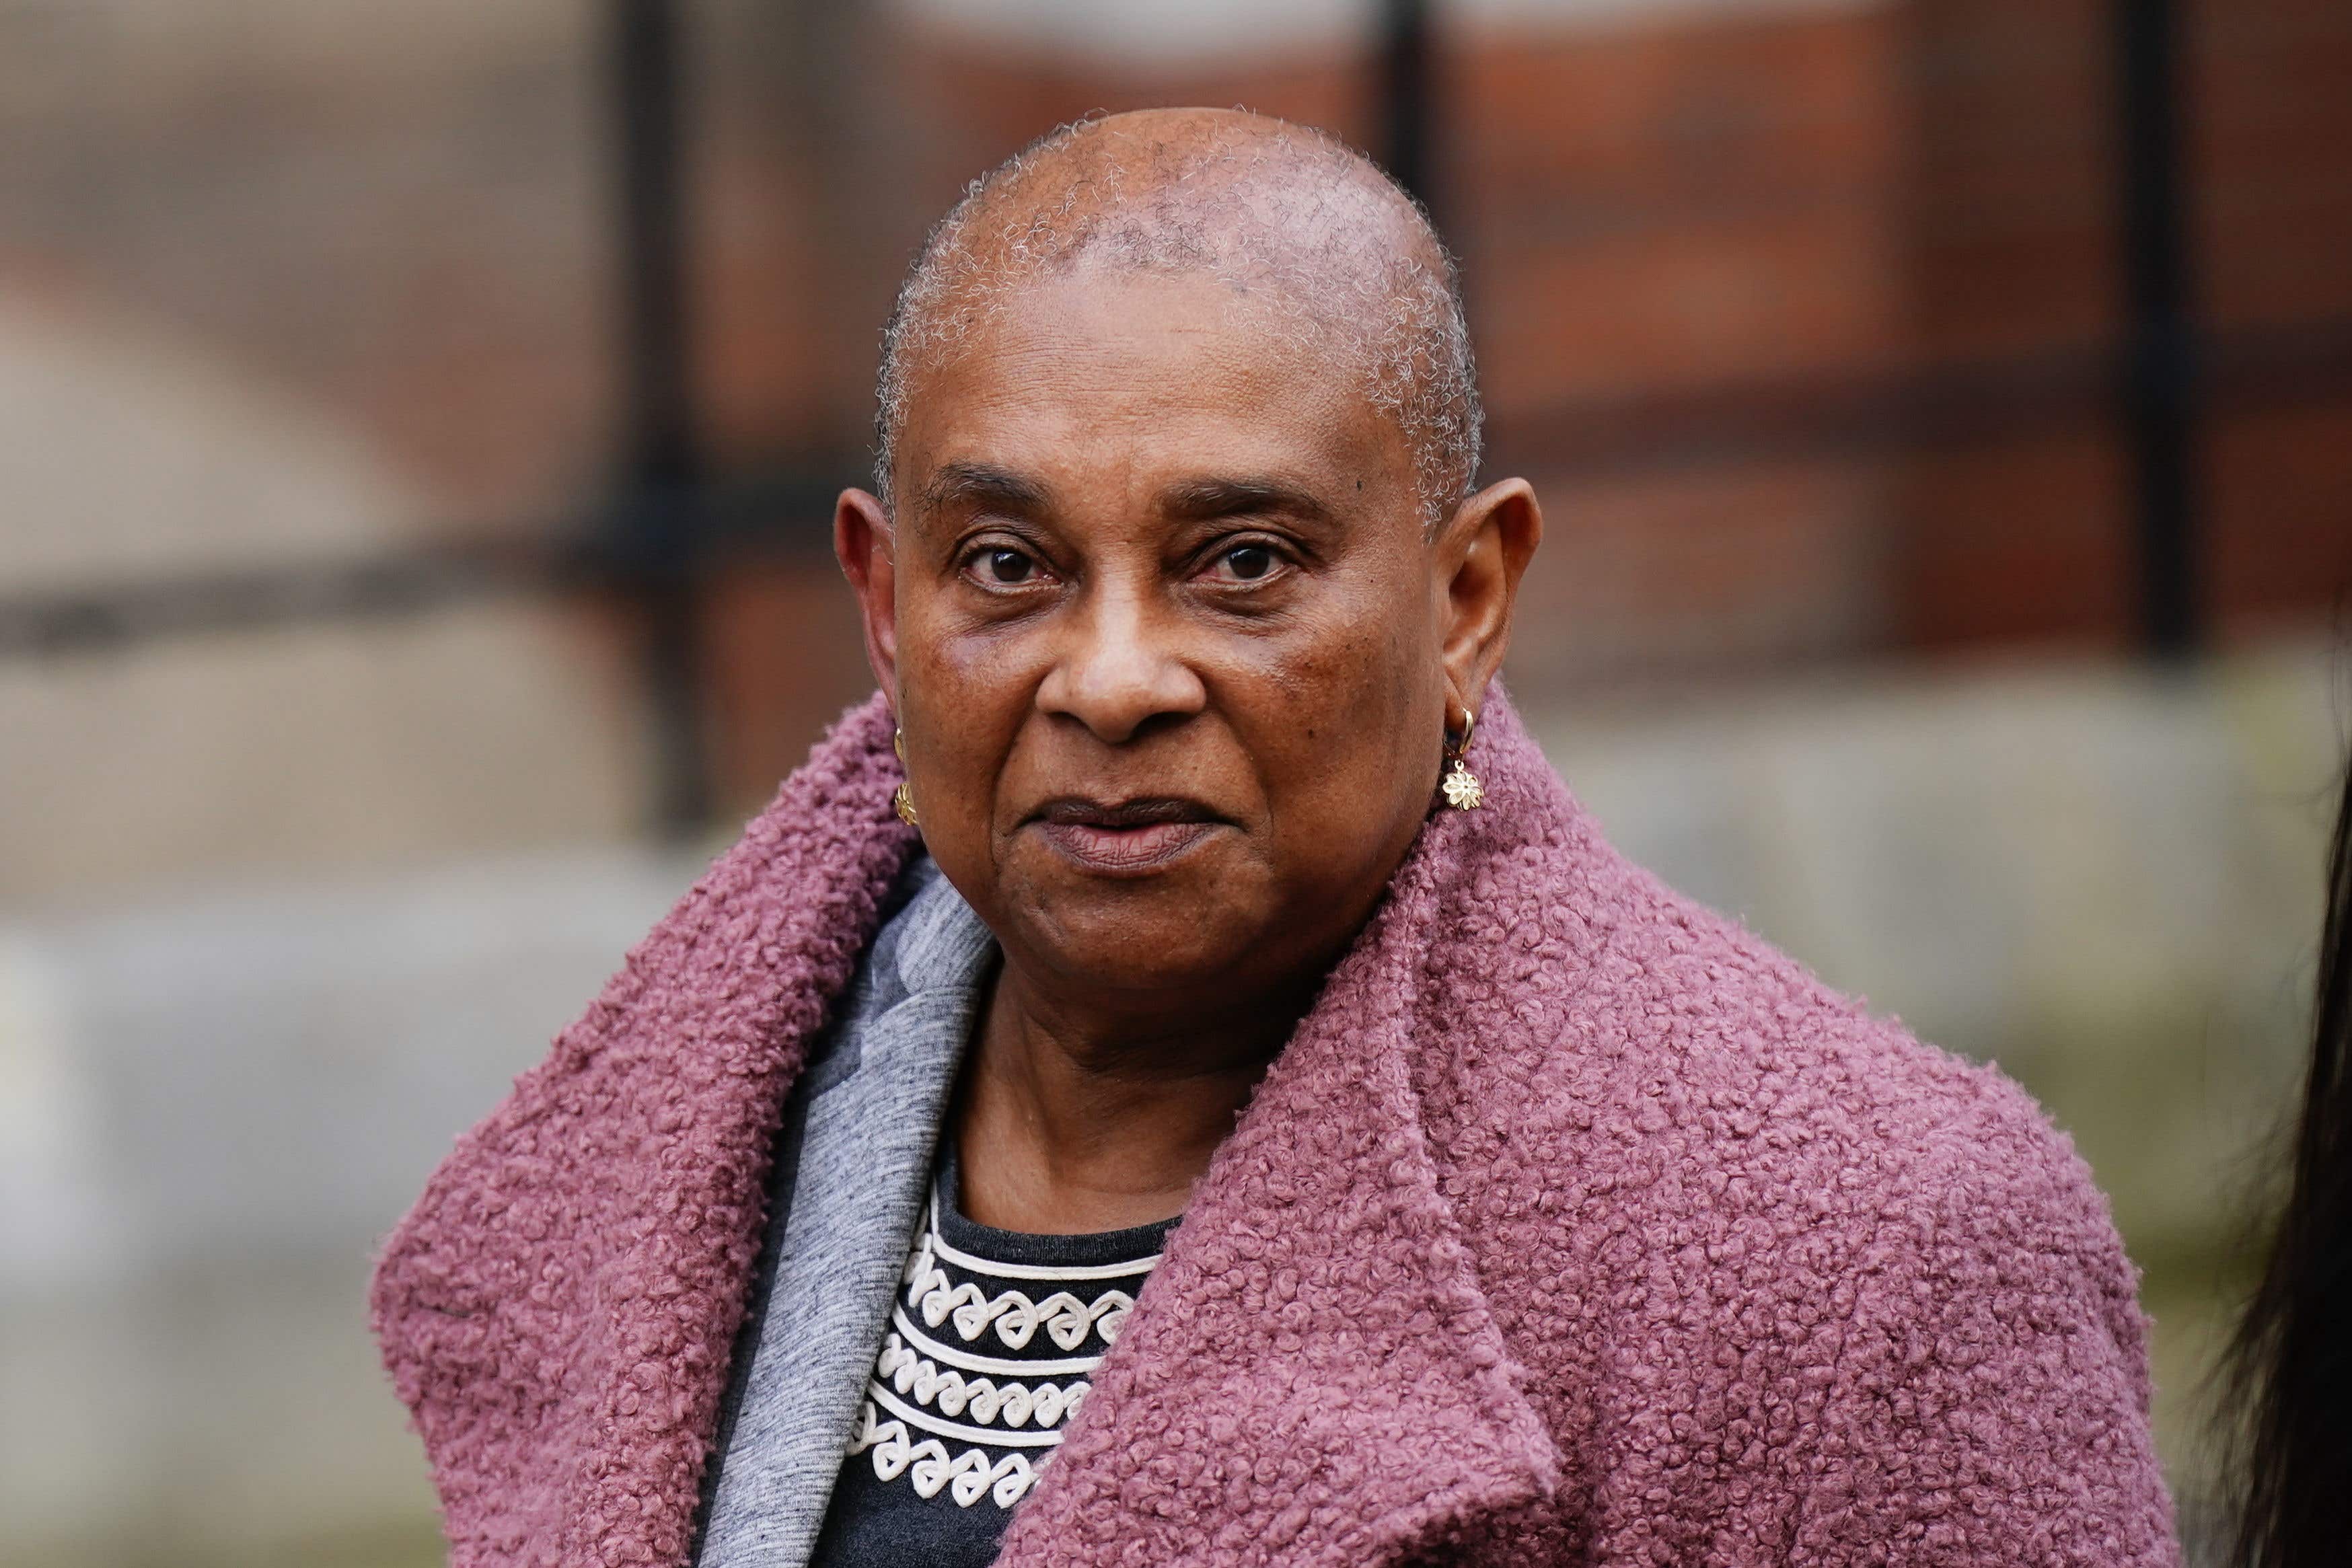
(1574, 1225)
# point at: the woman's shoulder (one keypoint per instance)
(1671, 1075)
(1706, 1194)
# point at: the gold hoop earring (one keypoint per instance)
(1463, 791)
(901, 800)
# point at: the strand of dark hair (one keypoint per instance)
(2288, 1376)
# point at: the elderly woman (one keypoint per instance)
(1155, 1089)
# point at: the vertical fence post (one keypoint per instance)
(1405, 93)
(2160, 369)
(657, 523)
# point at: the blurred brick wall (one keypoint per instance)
(1802, 319)
(2274, 160)
(2013, 234)
(394, 214)
(1805, 323)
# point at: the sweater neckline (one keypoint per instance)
(1098, 1249)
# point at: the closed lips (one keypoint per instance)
(1137, 813)
(1131, 836)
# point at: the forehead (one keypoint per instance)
(1102, 377)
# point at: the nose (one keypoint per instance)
(1120, 669)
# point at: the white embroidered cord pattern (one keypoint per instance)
(1065, 1318)
(978, 1398)
(929, 1465)
(916, 1406)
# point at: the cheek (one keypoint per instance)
(965, 696)
(1342, 739)
(959, 675)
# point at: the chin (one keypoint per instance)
(1190, 924)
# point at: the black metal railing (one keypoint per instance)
(668, 524)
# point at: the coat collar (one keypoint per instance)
(559, 1308)
(1313, 1373)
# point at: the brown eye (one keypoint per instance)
(1247, 563)
(1009, 567)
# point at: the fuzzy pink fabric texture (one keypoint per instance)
(1574, 1225)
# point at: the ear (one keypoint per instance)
(866, 545)
(1478, 558)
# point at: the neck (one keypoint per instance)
(1076, 1118)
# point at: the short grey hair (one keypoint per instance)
(1358, 268)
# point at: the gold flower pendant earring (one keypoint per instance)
(902, 801)
(1463, 791)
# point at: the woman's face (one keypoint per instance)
(1168, 644)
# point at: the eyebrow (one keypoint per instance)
(984, 484)
(1197, 499)
(991, 488)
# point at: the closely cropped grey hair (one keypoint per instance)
(1292, 215)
